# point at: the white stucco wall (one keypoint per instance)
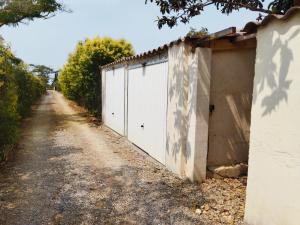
(188, 111)
(273, 191)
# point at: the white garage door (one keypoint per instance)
(115, 100)
(147, 109)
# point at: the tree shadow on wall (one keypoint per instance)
(177, 93)
(274, 75)
(183, 90)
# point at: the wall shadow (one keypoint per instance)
(271, 75)
(183, 97)
(189, 98)
(231, 95)
(177, 97)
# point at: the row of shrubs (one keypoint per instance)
(19, 89)
(80, 80)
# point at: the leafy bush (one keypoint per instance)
(79, 80)
(31, 89)
(197, 32)
(18, 90)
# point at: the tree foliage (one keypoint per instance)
(197, 32)
(42, 72)
(13, 12)
(174, 11)
(18, 90)
(55, 84)
(79, 79)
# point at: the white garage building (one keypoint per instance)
(135, 101)
(160, 100)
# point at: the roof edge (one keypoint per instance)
(148, 53)
(192, 39)
(252, 26)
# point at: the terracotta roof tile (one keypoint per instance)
(252, 27)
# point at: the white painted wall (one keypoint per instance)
(177, 104)
(273, 196)
(114, 100)
(188, 111)
(147, 108)
(198, 116)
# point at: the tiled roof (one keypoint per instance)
(227, 32)
(146, 54)
(251, 27)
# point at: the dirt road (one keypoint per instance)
(67, 171)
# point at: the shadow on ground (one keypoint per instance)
(56, 179)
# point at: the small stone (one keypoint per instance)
(229, 171)
(229, 219)
(206, 207)
(198, 211)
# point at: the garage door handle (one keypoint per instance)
(142, 126)
(113, 113)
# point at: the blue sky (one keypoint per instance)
(49, 42)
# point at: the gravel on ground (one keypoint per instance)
(67, 169)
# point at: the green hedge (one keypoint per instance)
(18, 90)
(79, 79)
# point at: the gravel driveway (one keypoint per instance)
(69, 171)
